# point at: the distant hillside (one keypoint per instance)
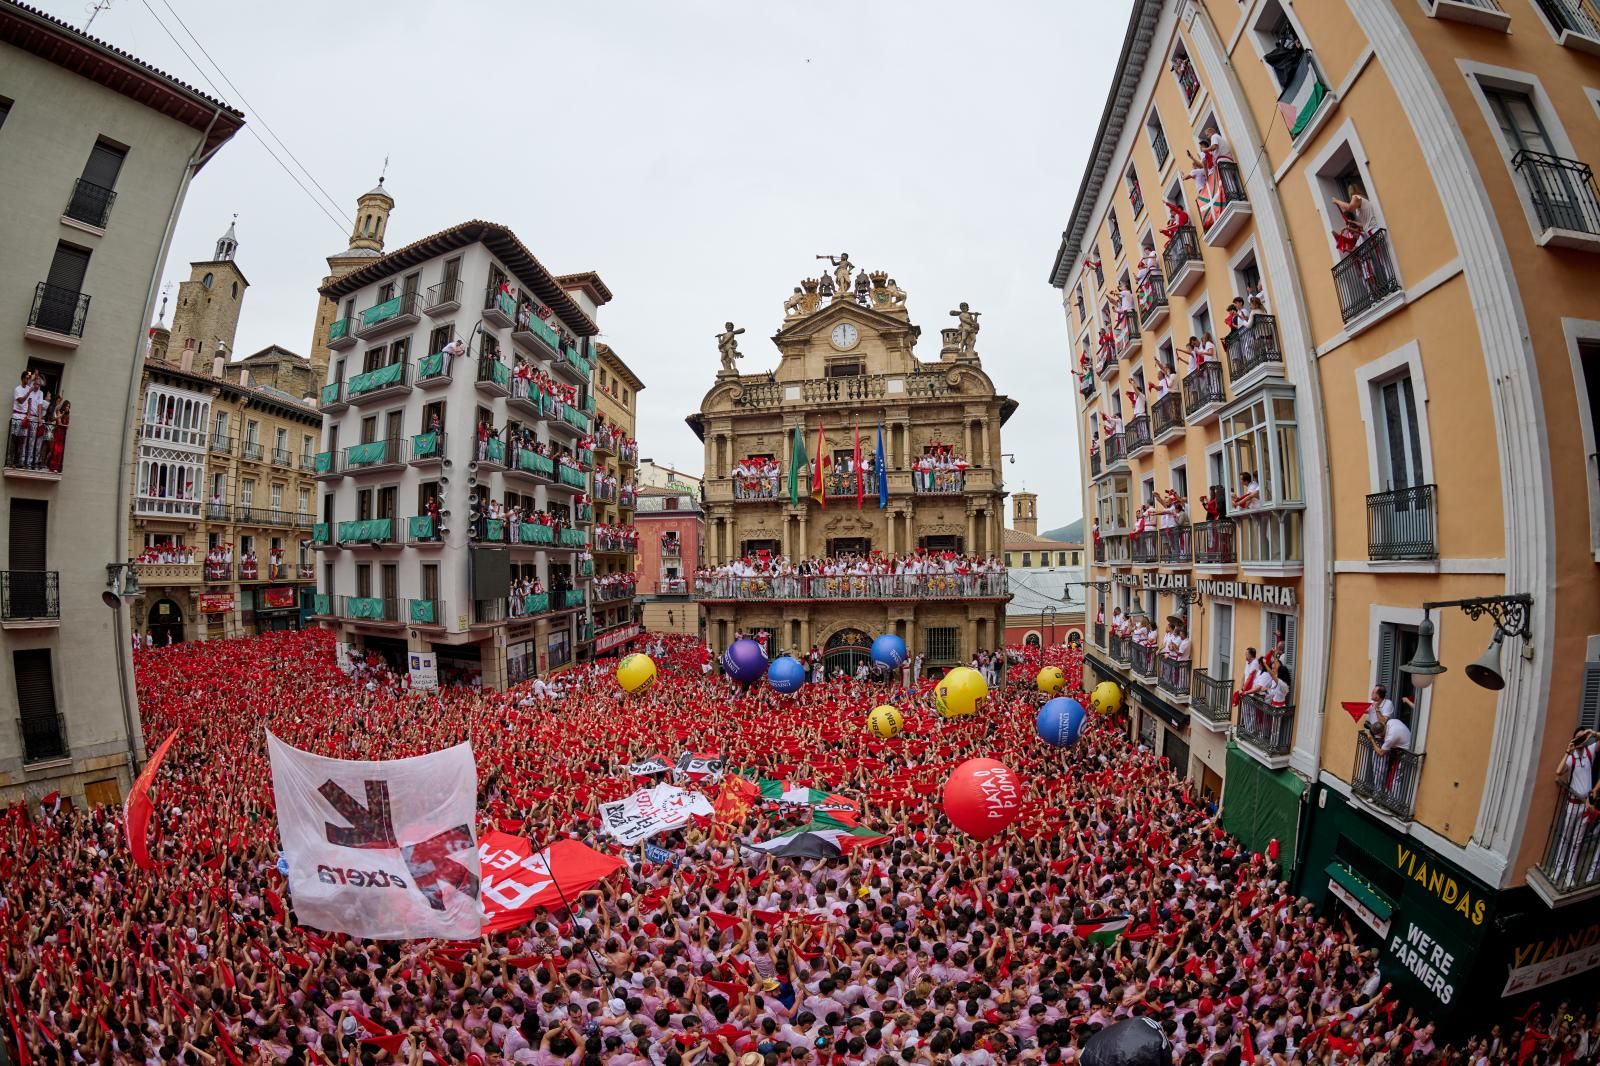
(1069, 534)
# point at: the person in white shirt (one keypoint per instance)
(1396, 734)
(1380, 708)
(452, 351)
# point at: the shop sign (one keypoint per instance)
(424, 670)
(281, 596)
(1365, 913)
(1158, 582)
(1426, 959)
(1440, 883)
(1546, 961)
(216, 602)
(621, 636)
(1254, 591)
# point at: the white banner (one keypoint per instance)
(382, 850)
(424, 670)
(649, 766)
(650, 811)
(697, 767)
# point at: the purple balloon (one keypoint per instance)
(744, 661)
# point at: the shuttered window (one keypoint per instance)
(68, 267)
(1589, 702)
(43, 736)
(104, 164)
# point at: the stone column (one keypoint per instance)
(972, 522)
(804, 548)
(966, 436)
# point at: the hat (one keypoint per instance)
(349, 1024)
(751, 1058)
(769, 985)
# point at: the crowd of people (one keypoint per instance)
(167, 551)
(927, 948)
(939, 469)
(756, 477)
(609, 538)
(612, 439)
(613, 489)
(618, 586)
(39, 422)
(847, 576)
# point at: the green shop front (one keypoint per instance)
(1261, 805)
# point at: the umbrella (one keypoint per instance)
(807, 846)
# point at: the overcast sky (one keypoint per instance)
(698, 155)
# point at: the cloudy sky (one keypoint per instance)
(697, 154)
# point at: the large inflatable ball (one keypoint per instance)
(744, 660)
(1130, 1042)
(1060, 721)
(786, 674)
(889, 651)
(1051, 680)
(982, 797)
(1106, 698)
(636, 672)
(885, 722)
(960, 692)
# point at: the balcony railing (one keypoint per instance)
(763, 487)
(673, 586)
(1094, 464)
(1562, 190)
(252, 450)
(838, 485)
(569, 599)
(41, 448)
(423, 529)
(331, 395)
(572, 477)
(426, 612)
(369, 609)
(1211, 698)
(1146, 547)
(1137, 436)
(1121, 649)
(43, 737)
(30, 595)
(375, 453)
(1158, 145)
(380, 316)
(339, 334)
(306, 571)
(90, 204)
(1116, 449)
(855, 587)
(1228, 190)
(428, 447)
(1269, 729)
(1118, 552)
(1253, 346)
(529, 461)
(611, 593)
(1173, 676)
(1144, 659)
(58, 310)
(1365, 277)
(1271, 538)
(1152, 296)
(1136, 199)
(1214, 543)
(1202, 387)
(1571, 860)
(1099, 637)
(1572, 16)
(221, 443)
(384, 379)
(1086, 385)
(1166, 414)
(446, 294)
(217, 572)
(759, 392)
(1400, 524)
(1188, 81)
(1387, 780)
(1182, 249)
(367, 531)
(929, 483)
(1175, 546)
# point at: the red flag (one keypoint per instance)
(723, 921)
(1247, 1044)
(24, 1056)
(390, 1043)
(1356, 709)
(294, 958)
(137, 808)
(861, 481)
(731, 989)
(227, 1042)
(819, 464)
(733, 803)
(516, 882)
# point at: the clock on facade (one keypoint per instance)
(844, 336)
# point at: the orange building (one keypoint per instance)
(1382, 215)
(670, 527)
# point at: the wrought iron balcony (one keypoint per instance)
(369, 609)
(1229, 208)
(1563, 193)
(1573, 17)
(376, 531)
(855, 587)
(90, 204)
(1094, 464)
(43, 737)
(1268, 729)
(331, 397)
(1366, 277)
(1115, 448)
(1166, 417)
(1099, 636)
(1487, 13)
(1158, 145)
(1181, 257)
(428, 449)
(58, 313)
(379, 384)
(38, 452)
(424, 530)
(1401, 524)
(1121, 649)
(391, 314)
(374, 455)
(1214, 543)
(1211, 699)
(252, 450)
(426, 612)
(1173, 677)
(340, 335)
(1252, 347)
(1144, 659)
(1146, 548)
(1188, 80)
(757, 391)
(1175, 545)
(443, 298)
(1571, 862)
(31, 597)
(1203, 394)
(1152, 297)
(1387, 780)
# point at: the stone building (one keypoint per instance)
(847, 368)
(615, 390)
(671, 528)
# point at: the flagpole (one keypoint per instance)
(573, 918)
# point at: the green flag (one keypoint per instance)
(797, 463)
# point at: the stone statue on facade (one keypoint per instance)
(728, 348)
(795, 306)
(966, 329)
(894, 295)
(841, 272)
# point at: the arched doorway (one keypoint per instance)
(165, 623)
(1031, 640)
(847, 649)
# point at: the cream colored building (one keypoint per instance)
(97, 150)
(615, 389)
(1405, 186)
(845, 364)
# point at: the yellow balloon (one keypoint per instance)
(960, 692)
(1051, 680)
(636, 672)
(1106, 698)
(885, 722)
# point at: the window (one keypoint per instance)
(275, 493)
(943, 644)
(92, 196)
(1397, 644)
(1111, 502)
(247, 493)
(281, 441)
(399, 351)
(307, 447)
(1183, 70)
(377, 358)
(1262, 440)
(1561, 191)
(304, 502)
(1247, 275)
(218, 486)
(1221, 641)
(386, 292)
(208, 280)
(1114, 232)
(1280, 630)
(439, 337)
(43, 731)
(1158, 139)
(1399, 439)
(1200, 317)
(1027, 559)
(252, 432)
(1008, 559)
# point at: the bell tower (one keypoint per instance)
(366, 244)
(1025, 513)
(207, 313)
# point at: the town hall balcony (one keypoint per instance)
(854, 587)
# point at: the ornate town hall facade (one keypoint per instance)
(846, 365)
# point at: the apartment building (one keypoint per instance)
(671, 525)
(617, 620)
(455, 512)
(97, 150)
(1384, 217)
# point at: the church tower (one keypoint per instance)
(1025, 513)
(209, 302)
(366, 244)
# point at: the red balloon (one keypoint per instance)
(982, 797)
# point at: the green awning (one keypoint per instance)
(1352, 883)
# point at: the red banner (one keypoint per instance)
(282, 596)
(516, 883)
(216, 602)
(137, 808)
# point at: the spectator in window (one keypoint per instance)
(1249, 492)
(452, 351)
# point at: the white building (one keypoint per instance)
(412, 560)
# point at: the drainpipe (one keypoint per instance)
(119, 518)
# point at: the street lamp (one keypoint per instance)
(1510, 615)
(1051, 611)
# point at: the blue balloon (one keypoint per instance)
(744, 661)
(786, 674)
(889, 651)
(1060, 721)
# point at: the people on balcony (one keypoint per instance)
(1357, 216)
(1177, 218)
(853, 576)
(521, 588)
(1253, 669)
(1201, 350)
(605, 486)
(1175, 642)
(1106, 341)
(247, 566)
(1241, 315)
(614, 586)
(487, 432)
(938, 470)
(1577, 819)
(1162, 386)
(167, 552)
(755, 477)
(616, 538)
(1249, 494)
(456, 349)
(1147, 268)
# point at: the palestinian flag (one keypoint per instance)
(1105, 931)
(1302, 97)
(842, 834)
(791, 794)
